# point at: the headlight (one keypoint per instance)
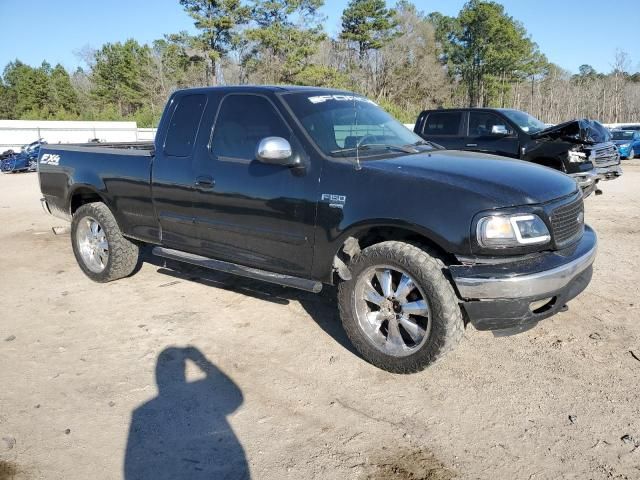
(626, 145)
(576, 157)
(511, 230)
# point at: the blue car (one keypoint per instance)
(627, 141)
(25, 161)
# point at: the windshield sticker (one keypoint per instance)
(340, 98)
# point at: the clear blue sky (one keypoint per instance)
(569, 32)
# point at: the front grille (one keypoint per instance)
(567, 222)
(606, 155)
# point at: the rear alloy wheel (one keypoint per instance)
(399, 310)
(102, 252)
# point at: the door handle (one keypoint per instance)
(205, 182)
(472, 144)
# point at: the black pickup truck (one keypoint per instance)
(305, 187)
(580, 148)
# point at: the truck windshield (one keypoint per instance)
(526, 122)
(343, 124)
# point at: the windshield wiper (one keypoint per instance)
(371, 146)
(424, 142)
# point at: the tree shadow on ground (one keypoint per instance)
(183, 433)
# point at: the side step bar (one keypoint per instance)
(235, 269)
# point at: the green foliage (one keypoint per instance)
(121, 76)
(284, 35)
(367, 23)
(43, 92)
(321, 76)
(7, 101)
(64, 96)
(403, 114)
(399, 57)
(217, 21)
(146, 117)
(486, 47)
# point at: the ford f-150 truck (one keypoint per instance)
(305, 187)
(580, 148)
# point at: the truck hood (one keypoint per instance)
(578, 131)
(502, 181)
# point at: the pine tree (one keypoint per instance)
(367, 23)
(218, 21)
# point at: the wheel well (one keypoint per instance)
(375, 235)
(83, 196)
(370, 236)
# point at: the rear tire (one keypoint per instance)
(410, 337)
(102, 252)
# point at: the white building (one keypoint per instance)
(15, 133)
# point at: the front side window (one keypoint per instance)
(442, 123)
(341, 124)
(184, 125)
(244, 120)
(481, 124)
(526, 122)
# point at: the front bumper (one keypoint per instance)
(588, 181)
(608, 173)
(523, 292)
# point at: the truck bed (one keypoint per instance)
(118, 174)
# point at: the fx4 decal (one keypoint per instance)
(50, 159)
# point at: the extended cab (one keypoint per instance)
(305, 187)
(580, 148)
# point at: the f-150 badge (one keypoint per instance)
(335, 201)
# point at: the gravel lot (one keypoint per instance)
(237, 378)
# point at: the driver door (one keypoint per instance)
(490, 133)
(252, 213)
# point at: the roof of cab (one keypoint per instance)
(265, 88)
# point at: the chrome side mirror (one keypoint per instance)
(499, 130)
(276, 151)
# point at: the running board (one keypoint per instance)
(241, 270)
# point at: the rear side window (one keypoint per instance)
(443, 123)
(184, 125)
(242, 122)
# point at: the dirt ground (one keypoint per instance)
(226, 377)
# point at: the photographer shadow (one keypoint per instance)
(183, 433)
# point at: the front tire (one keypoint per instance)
(102, 252)
(399, 310)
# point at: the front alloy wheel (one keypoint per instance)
(392, 310)
(399, 309)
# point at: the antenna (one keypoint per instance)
(355, 121)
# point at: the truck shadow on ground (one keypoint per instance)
(321, 307)
(183, 433)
